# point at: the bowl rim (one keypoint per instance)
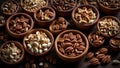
(98, 1)
(48, 33)
(86, 5)
(89, 36)
(113, 17)
(76, 31)
(20, 46)
(45, 7)
(16, 14)
(7, 2)
(51, 3)
(21, 3)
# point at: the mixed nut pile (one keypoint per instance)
(71, 44)
(99, 57)
(45, 14)
(96, 39)
(111, 3)
(61, 5)
(9, 7)
(109, 26)
(33, 5)
(60, 24)
(19, 24)
(85, 15)
(38, 43)
(11, 53)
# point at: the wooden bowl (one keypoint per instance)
(63, 13)
(6, 44)
(106, 9)
(87, 25)
(33, 31)
(45, 22)
(5, 10)
(19, 35)
(70, 58)
(116, 29)
(96, 39)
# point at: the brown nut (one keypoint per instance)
(106, 59)
(103, 50)
(94, 61)
(100, 56)
(90, 55)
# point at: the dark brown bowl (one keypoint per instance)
(70, 58)
(5, 10)
(63, 13)
(109, 35)
(114, 44)
(96, 39)
(45, 23)
(60, 29)
(106, 9)
(86, 25)
(33, 31)
(21, 34)
(31, 11)
(18, 45)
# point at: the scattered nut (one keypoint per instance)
(94, 61)
(115, 42)
(103, 50)
(85, 15)
(106, 59)
(90, 55)
(38, 42)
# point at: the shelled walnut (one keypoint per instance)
(85, 15)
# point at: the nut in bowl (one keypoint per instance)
(12, 52)
(19, 24)
(2, 20)
(9, 7)
(85, 16)
(58, 25)
(44, 16)
(109, 26)
(33, 5)
(96, 39)
(71, 45)
(109, 6)
(114, 43)
(38, 42)
(63, 8)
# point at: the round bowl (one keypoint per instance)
(35, 42)
(60, 7)
(96, 39)
(110, 26)
(9, 7)
(31, 6)
(83, 20)
(13, 51)
(106, 9)
(114, 44)
(44, 16)
(68, 49)
(19, 25)
(58, 25)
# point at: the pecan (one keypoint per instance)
(94, 61)
(106, 59)
(100, 56)
(103, 50)
(90, 55)
(69, 49)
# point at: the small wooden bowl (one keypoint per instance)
(106, 9)
(21, 35)
(87, 25)
(8, 14)
(44, 23)
(90, 37)
(112, 46)
(63, 13)
(107, 17)
(19, 45)
(33, 31)
(31, 11)
(67, 58)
